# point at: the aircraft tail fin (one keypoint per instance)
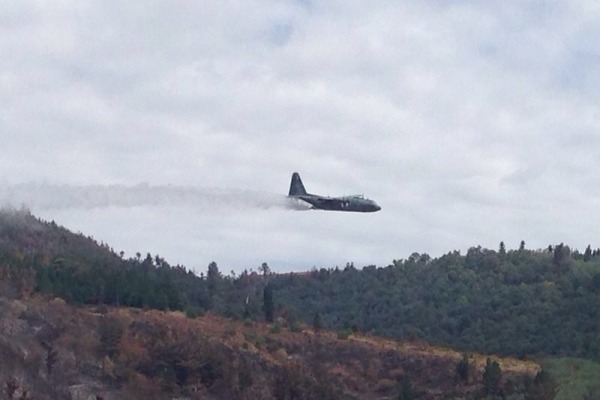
(296, 186)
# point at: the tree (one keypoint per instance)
(522, 245)
(213, 274)
(543, 387)
(317, 323)
(268, 304)
(51, 357)
(587, 256)
(561, 255)
(110, 331)
(592, 393)
(213, 278)
(463, 368)
(492, 378)
(264, 269)
(11, 387)
(407, 389)
(502, 249)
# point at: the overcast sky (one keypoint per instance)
(469, 122)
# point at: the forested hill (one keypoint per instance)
(518, 302)
(521, 302)
(42, 256)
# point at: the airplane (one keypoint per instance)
(346, 203)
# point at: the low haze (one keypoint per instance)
(174, 127)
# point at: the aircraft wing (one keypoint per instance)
(325, 203)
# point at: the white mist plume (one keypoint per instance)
(44, 196)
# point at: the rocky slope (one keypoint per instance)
(51, 350)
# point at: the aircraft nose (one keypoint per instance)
(376, 207)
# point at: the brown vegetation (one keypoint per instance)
(52, 350)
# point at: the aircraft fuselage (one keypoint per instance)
(356, 204)
(345, 203)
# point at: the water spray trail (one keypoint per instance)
(44, 196)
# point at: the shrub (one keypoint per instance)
(295, 327)
(385, 385)
(344, 334)
(194, 312)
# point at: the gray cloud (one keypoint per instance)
(470, 122)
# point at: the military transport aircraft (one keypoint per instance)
(346, 203)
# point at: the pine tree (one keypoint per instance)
(111, 332)
(587, 256)
(543, 387)
(51, 358)
(502, 249)
(317, 323)
(407, 389)
(562, 255)
(463, 368)
(213, 278)
(264, 269)
(492, 378)
(268, 305)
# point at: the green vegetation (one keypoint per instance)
(317, 323)
(518, 302)
(268, 304)
(492, 378)
(543, 387)
(407, 390)
(463, 368)
(344, 334)
(276, 328)
(577, 379)
(528, 303)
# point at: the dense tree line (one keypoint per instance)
(80, 270)
(521, 302)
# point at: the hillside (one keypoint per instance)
(121, 321)
(514, 302)
(53, 350)
(517, 302)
